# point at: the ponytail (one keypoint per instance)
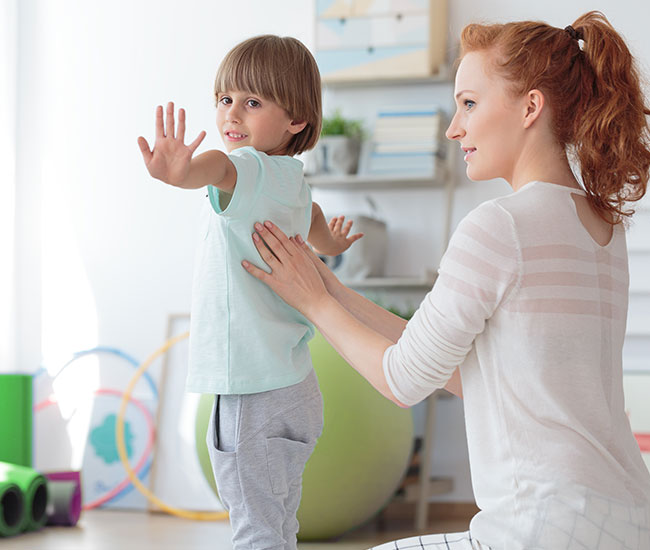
(610, 135)
(593, 88)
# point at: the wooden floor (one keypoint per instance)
(119, 530)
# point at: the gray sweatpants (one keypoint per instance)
(259, 444)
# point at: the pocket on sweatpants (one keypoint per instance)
(226, 475)
(286, 460)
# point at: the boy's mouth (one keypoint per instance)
(234, 136)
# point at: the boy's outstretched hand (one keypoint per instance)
(340, 239)
(170, 159)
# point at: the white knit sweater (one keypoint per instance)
(534, 312)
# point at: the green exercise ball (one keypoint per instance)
(203, 412)
(359, 460)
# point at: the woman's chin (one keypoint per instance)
(475, 174)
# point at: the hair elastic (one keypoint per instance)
(573, 33)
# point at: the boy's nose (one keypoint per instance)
(234, 114)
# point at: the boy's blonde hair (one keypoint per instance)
(281, 69)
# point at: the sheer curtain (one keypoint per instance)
(8, 41)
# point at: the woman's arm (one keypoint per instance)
(295, 278)
(369, 313)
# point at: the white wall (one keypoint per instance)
(104, 253)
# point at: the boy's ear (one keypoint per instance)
(297, 126)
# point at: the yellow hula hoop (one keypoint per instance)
(121, 447)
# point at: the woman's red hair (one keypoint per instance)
(598, 108)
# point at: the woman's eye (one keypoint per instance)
(253, 103)
(468, 103)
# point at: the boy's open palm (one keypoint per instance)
(170, 159)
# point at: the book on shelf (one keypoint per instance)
(407, 139)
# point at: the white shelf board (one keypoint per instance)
(359, 181)
(444, 76)
(391, 282)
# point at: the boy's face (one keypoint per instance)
(246, 119)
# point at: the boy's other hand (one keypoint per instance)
(170, 159)
(341, 238)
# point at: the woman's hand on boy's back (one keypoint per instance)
(170, 159)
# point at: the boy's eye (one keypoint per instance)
(253, 103)
(224, 99)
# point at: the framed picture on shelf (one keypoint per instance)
(380, 39)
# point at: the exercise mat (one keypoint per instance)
(34, 488)
(11, 509)
(63, 498)
(16, 419)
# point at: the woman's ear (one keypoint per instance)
(535, 102)
(297, 126)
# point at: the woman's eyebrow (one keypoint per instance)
(464, 91)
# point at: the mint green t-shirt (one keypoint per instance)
(243, 337)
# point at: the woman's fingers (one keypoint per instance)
(267, 255)
(257, 272)
(275, 239)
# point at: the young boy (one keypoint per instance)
(246, 345)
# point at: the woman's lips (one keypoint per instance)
(469, 151)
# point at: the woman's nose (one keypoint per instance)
(454, 131)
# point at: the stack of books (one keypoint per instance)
(407, 140)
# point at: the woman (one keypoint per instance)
(528, 313)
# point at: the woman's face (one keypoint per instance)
(488, 122)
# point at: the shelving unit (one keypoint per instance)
(445, 180)
(392, 283)
(364, 182)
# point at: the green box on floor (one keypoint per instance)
(16, 419)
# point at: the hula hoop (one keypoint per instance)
(122, 487)
(101, 349)
(123, 355)
(121, 447)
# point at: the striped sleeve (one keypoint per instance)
(478, 271)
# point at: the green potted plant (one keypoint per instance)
(339, 147)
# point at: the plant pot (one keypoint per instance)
(337, 155)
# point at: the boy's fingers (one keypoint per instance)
(193, 146)
(347, 228)
(180, 134)
(355, 237)
(169, 123)
(144, 149)
(160, 132)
